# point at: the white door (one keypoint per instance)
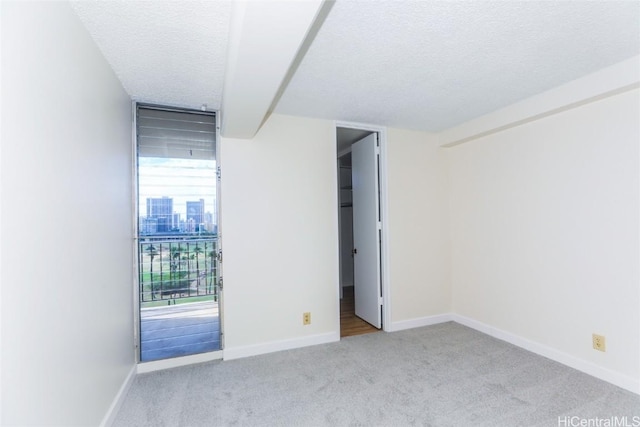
(366, 230)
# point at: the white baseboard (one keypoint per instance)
(420, 321)
(174, 362)
(231, 353)
(110, 416)
(615, 378)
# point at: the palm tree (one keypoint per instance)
(175, 258)
(198, 251)
(174, 266)
(191, 258)
(161, 272)
(152, 252)
(185, 259)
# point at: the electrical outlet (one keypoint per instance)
(599, 343)
(306, 318)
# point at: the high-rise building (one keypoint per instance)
(148, 225)
(176, 221)
(208, 222)
(195, 211)
(162, 210)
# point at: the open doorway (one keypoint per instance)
(360, 231)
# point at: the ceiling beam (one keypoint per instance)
(267, 41)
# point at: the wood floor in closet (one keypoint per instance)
(350, 324)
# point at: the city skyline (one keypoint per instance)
(162, 218)
(181, 180)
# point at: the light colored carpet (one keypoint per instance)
(442, 375)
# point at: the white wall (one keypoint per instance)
(279, 225)
(67, 328)
(544, 220)
(280, 236)
(419, 263)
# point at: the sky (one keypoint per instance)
(181, 179)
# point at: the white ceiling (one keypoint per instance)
(424, 65)
(164, 52)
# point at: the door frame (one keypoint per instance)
(384, 210)
(155, 365)
(219, 229)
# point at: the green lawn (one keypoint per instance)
(164, 284)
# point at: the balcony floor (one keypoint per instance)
(179, 330)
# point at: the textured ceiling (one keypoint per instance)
(164, 52)
(424, 65)
(431, 65)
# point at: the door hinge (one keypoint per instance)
(219, 256)
(220, 283)
(218, 172)
(379, 300)
(379, 225)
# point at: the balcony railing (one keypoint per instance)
(175, 268)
